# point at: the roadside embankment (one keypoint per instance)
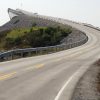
(88, 87)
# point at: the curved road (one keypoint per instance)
(52, 76)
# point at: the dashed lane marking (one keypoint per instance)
(39, 66)
(35, 67)
(6, 76)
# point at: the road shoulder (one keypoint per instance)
(87, 87)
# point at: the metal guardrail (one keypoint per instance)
(96, 28)
(19, 53)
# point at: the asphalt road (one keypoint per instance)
(52, 76)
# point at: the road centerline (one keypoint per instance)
(6, 76)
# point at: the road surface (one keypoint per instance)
(51, 76)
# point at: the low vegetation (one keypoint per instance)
(33, 37)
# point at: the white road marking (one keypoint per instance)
(64, 86)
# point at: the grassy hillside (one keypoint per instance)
(21, 32)
(32, 37)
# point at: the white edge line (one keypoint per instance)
(64, 86)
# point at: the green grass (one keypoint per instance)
(32, 37)
(20, 32)
(17, 33)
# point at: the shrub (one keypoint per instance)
(10, 42)
(34, 24)
(35, 37)
(46, 36)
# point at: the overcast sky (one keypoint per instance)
(77, 10)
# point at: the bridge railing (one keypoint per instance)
(93, 27)
(19, 53)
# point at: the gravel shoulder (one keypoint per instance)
(88, 86)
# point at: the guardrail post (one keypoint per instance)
(7, 57)
(56, 48)
(22, 54)
(46, 50)
(12, 56)
(39, 51)
(36, 51)
(29, 53)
